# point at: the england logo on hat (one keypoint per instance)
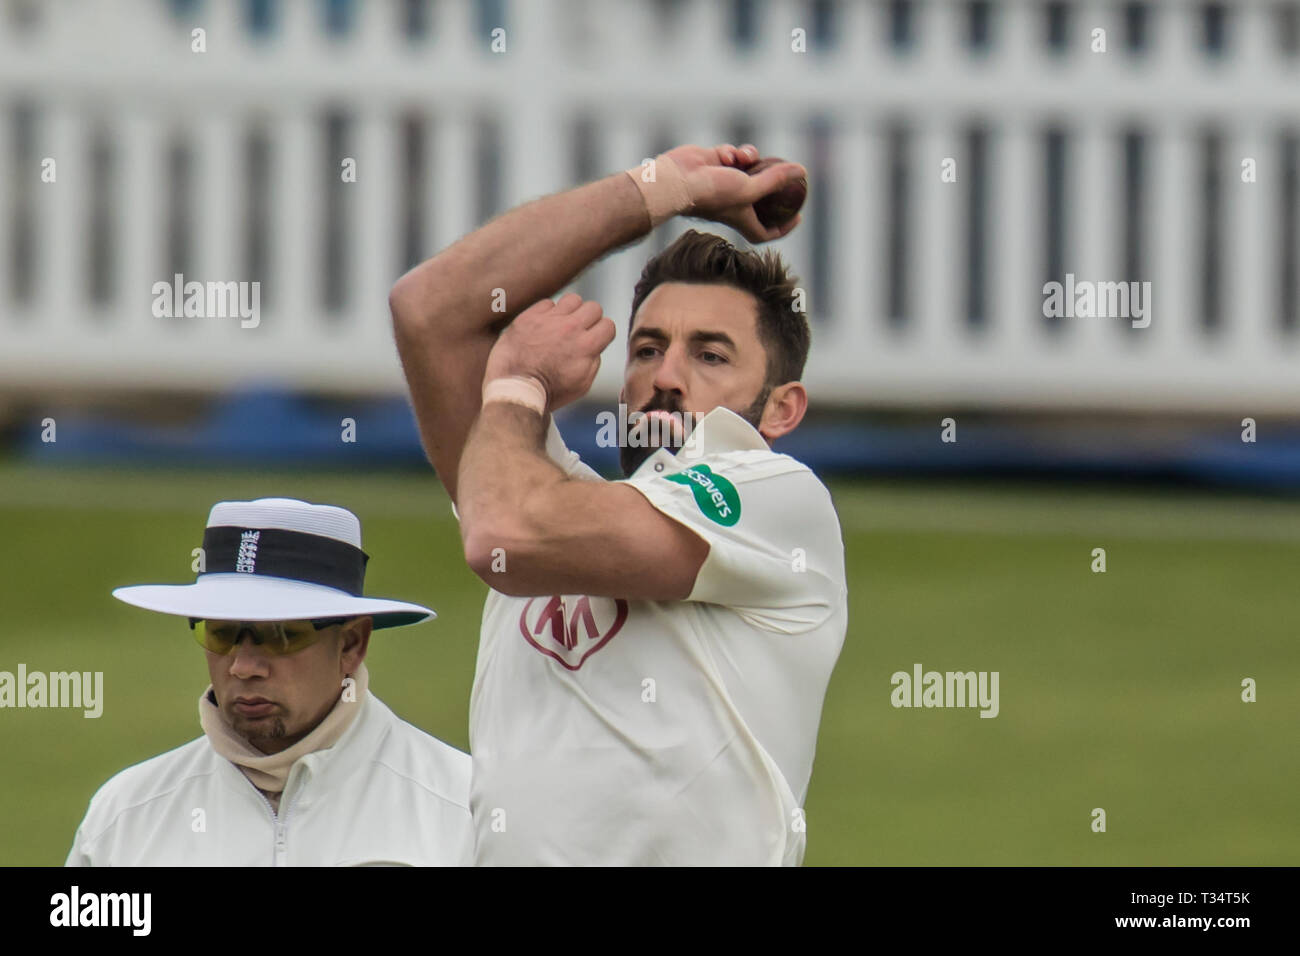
(277, 559)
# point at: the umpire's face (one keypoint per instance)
(275, 701)
(693, 347)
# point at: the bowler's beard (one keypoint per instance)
(630, 459)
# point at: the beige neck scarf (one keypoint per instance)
(270, 772)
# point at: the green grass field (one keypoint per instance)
(1119, 690)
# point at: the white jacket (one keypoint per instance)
(386, 793)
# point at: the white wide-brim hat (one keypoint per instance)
(277, 559)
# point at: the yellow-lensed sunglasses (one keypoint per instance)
(275, 638)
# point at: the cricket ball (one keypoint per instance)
(777, 208)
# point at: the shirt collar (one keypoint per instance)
(717, 431)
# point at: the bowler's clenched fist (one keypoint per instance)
(557, 343)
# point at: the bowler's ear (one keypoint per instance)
(356, 641)
(784, 410)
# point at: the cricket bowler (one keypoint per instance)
(654, 651)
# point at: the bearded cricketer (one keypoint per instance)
(654, 651)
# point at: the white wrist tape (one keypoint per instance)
(520, 389)
(667, 195)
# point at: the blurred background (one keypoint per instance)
(962, 156)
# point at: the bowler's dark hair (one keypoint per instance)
(706, 259)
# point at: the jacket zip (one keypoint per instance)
(279, 825)
(275, 823)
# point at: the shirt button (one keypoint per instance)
(659, 466)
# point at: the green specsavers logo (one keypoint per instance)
(715, 495)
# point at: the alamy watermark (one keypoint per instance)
(1098, 300)
(949, 689)
(76, 689)
(653, 429)
(208, 300)
(75, 908)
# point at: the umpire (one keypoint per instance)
(299, 764)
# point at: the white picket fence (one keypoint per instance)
(123, 72)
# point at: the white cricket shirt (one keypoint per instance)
(386, 793)
(615, 732)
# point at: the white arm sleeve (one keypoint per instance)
(776, 556)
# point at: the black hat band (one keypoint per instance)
(274, 552)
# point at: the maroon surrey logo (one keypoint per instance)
(571, 628)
